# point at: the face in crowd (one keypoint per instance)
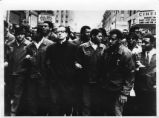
(146, 44)
(139, 42)
(87, 33)
(20, 37)
(45, 28)
(61, 33)
(96, 36)
(113, 39)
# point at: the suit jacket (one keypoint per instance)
(146, 76)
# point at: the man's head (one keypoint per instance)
(115, 35)
(149, 42)
(96, 36)
(47, 27)
(61, 33)
(132, 40)
(20, 33)
(85, 33)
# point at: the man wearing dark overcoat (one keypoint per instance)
(60, 58)
(37, 91)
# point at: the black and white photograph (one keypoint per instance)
(64, 62)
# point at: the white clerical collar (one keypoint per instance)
(39, 43)
(93, 45)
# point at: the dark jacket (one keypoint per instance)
(60, 59)
(90, 60)
(146, 76)
(35, 66)
(118, 70)
(17, 55)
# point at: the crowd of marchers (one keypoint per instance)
(56, 72)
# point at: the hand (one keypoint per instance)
(122, 99)
(5, 64)
(140, 64)
(28, 57)
(79, 66)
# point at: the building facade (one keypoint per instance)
(32, 18)
(115, 19)
(144, 19)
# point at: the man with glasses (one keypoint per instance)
(60, 60)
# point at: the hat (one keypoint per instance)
(20, 30)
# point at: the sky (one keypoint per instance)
(90, 18)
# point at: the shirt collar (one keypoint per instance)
(93, 45)
(39, 43)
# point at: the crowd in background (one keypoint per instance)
(55, 72)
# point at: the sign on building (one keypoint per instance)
(47, 17)
(147, 17)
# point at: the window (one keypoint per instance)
(56, 21)
(122, 12)
(66, 21)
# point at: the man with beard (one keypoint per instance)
(15, 62)
(84, 35)
(118, 77)
(48, 31)
(60, 59)
(37, 91)
(145, 83)
(88, 61)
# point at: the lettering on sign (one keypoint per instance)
(43, 18)
(147, 17)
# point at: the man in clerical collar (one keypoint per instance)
(61, 34)
(60, 58)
